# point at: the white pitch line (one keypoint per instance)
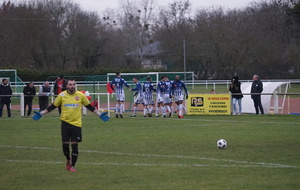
(185, 119)
(143, 164)
(216, 120)
(162, 156)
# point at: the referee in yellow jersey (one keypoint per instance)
(71, 102)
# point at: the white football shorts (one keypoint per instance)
(178, 98)
(120, 97)
(159, 98)
(139, 99)
(167, 99)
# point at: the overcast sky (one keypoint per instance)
(101, 5)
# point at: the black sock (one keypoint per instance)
(66, 151)
(74, 154)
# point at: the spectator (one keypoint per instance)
(257, 87)
(44, 92)
(29, 92)
(5, 100)
(95, 103)
(60, 85)
(213, 91)
(235, 87)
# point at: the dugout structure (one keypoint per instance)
(269, 94)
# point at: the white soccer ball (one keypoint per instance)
(222, 143)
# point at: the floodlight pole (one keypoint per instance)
(184, 60)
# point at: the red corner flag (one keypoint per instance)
(108, 88)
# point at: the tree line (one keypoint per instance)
(59, 36)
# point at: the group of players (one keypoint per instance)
(166, 92)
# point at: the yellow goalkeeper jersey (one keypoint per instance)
(71, 105)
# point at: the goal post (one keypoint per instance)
(187, 77)
(142, 77)
(13, 79)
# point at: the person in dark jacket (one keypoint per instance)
(29, 92)
(60, 85)
(257, 87)
(5, 100)
(44, 93)
(235, 87)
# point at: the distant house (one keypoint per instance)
(150, 55)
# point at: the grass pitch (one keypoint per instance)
(149, 153)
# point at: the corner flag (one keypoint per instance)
(108, 88)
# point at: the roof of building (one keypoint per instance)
(152, 50)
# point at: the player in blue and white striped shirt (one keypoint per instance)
(177, 91)
(159, 97)
(139, 99)
(119, 82)
(148, 97)
(167, 93)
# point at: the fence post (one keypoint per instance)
(98, 96)
(275, 102)
(108, 104)
(22, 105)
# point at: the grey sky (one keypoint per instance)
(101, 5)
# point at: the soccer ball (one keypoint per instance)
(222, 143)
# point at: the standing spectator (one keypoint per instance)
(213, 91)
(95, 103)
(60, 85)
(5, 100)
(235, 87)
(44, 92)
(119, 82)
(257, 87)
(29, 92)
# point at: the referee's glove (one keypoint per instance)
(37, 116)
(104, 116)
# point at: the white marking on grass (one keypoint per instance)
(230, 121)
(234, 121)
(144, 164)
(262, 164)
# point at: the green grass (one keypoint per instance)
(149, 153)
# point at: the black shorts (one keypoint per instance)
(70, 133)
